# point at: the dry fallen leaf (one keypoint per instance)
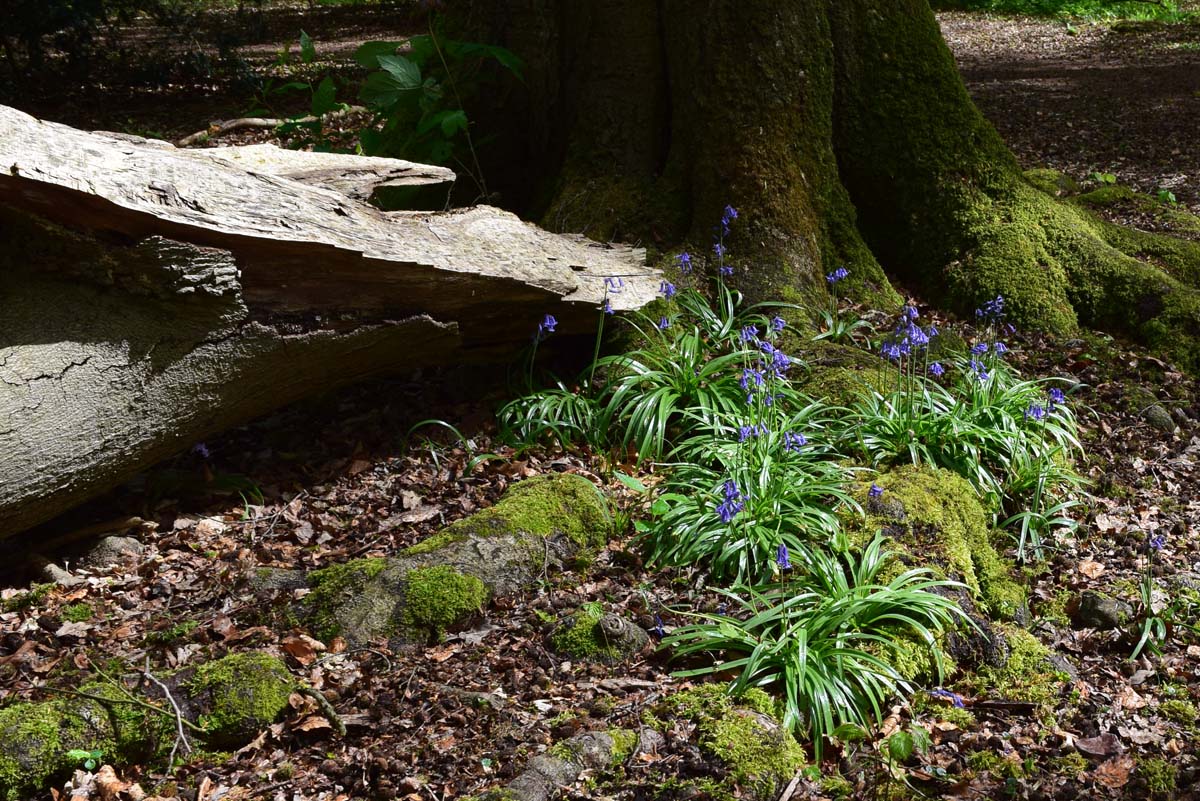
(301, 649)
(1115, 772)
(1091, 568)
(108, 785)
(313, 722)
(442, 652)
(1104, 745)
(1130, 699)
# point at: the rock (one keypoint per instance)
(563, 764)
(1159, 418)
(111, 551)
(589, 634)
(1096, 610)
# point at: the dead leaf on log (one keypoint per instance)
(1104, 745)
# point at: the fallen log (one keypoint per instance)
(154, 296)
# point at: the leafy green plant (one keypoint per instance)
(88, 760)
(825, 638)
(835, 326)
(416, 93)
(1166, 197)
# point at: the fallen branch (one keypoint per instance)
(225, 126)
(180, 737)
(326, 708)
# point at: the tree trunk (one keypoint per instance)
(154, 296)
(840, 130)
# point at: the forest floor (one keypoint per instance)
(339, 478)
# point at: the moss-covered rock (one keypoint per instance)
(438, 597)
(35, 739)
(1027, 675)
(337, 587)
(590, 633)
(744, 734)
(240, 695)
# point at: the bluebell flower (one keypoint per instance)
(751, 376)
(778, 324)
(658, 630)
(933, 332)
(1035, 412)
(1056, 396)
(909, 313)
(719, 250)
(992, 311)
(980, 349)
(685, 262)
(728, 216)
(746, 432)
(952, 697)
(733, 502)
(837, 275)
(546, 326)
(793, 441)
(1157, 542)
(749, 333)
(781, 557)
(1000, 348)
(667, 289)
(725, 270)
(891, 350)
(730, 490)
(780, 362)
(875, 491)
(614, 283)
(201, 450)
(663, 323)
(608, 309)
(936, 369)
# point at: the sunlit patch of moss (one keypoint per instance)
(1005, 767)
(35, 739)
(243, 694)
(624, 744)
(335, 585)
(584, 638)
(836, 786)
(1178, 711)
(757, 758)
(1159, 774)
(1073, 764)
(923, 703)
(439, 596)
(539, 507)
(1028, 675)
(35, 596)
(76, 613)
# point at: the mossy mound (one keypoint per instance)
(439, 597)
(1027, 675)
(543, 507)
(744, 734)
(844, 386)
(592, 634)
(35, 739)
(934, 518)
(337, 586)
(240, 694)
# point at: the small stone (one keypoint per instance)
(1159, 418)
(112, 551)
(1099, 611)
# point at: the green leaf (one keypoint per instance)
(405, 73)
(453, 122)
(308, 51)
(900, 746)
(325, 98)
(850, 733)
(630, 481)
(368, 53)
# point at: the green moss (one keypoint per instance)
(1028, 675)
(729, 729)
(540, 507)
(836, 786)
(923, 703)
(624, 744)
(1159, 775)
(76, 613)
(335, 585)
(171, 634)
(944, 527)
(36, 595)
(1073, 764)
(243, 693)
(438, 597)
(1179, 711)
(1052, 182)
(35, 739)
(997, 765)
(843, 386)
(584, 638)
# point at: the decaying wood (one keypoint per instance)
(156, 295)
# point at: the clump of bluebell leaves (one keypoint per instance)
(758, 473)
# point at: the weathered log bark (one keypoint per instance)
(153, 296)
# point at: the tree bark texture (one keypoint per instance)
(841, 131)
(155, 296)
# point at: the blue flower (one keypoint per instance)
(746, 432)
(546, 326)
(992, 311)
(952, 697)
(1035, 412)
(1000, 348)
(933, 332)
(201, 450)
(608, 309)
(891, 351)
(1157, 542)
(780, 362)
(730, 490)
(733, 503)
(667, 289)
(663, 323)
(909, 313)
(685, 262)
(750, 375)
(875, 491)
(1056, 396)
(719, 250)
(778, 324)
(781, 557)
(837, 275)
(658, 630)
(749, 333)
(936, 369)
(730, 214)
(725, 270)
(980, 349)
(793, 441)
(614, 283)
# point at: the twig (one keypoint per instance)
(180, 737)
(225, 126)
(133, 701)
(379, 654)
(326, 708)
